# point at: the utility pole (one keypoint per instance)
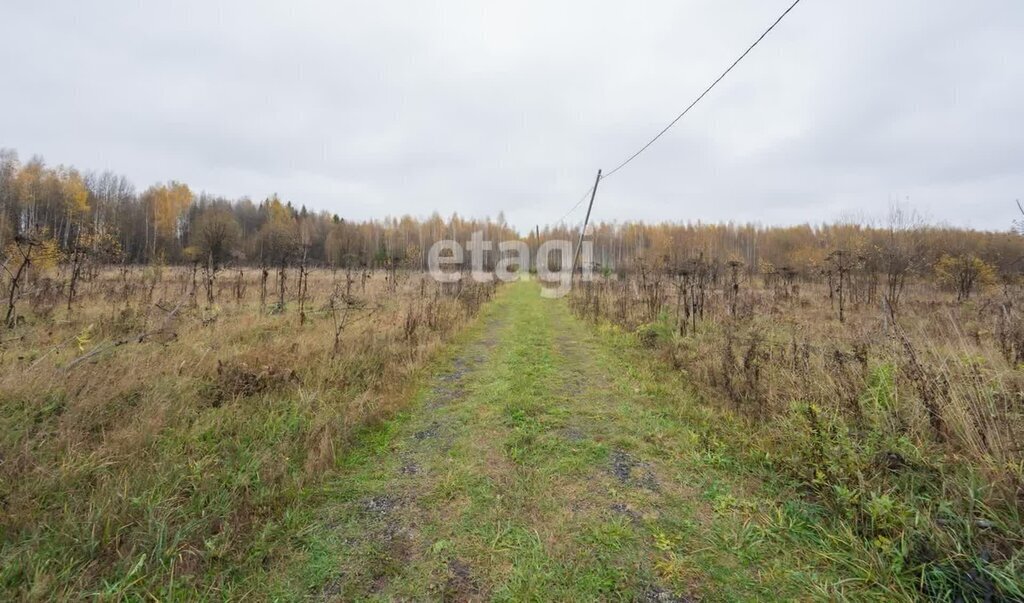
(536, 242)
(586, 220)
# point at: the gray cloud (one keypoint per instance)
(477, 107)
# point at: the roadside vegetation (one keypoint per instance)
(152, 443)
(890, 393)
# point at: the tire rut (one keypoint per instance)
(390, 519)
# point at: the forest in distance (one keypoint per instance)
(71, 216)
(189, 384)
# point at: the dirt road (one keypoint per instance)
(546, 460)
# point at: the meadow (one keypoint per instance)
(905, 423)
(149, 438)
(668, 432)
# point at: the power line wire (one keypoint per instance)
(578, 203)
(702, 95)
(685, 111)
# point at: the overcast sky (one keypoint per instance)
(381, 108)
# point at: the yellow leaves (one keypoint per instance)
(664, 542)
(964, 272)
(28, 181)
(168, 202)
(76, 195)
(35, 183)
(84, 338)
(277, 211)
(101, 246)
(44, 255)
(192, 253)
(48, 255)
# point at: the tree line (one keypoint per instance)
(104, 214)
(66, 217)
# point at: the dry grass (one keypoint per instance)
(150, 442)
(911, 430)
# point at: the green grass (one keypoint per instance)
(131, 478)
(541, 458)
(567, 468)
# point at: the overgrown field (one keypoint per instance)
(158, 436)
(906, 422)
(715, 433)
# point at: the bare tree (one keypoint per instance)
(840, 263)
(734, 285)
(21, 255)
(215, 235)
(901, 252)
(280, 242)
(76, 258)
